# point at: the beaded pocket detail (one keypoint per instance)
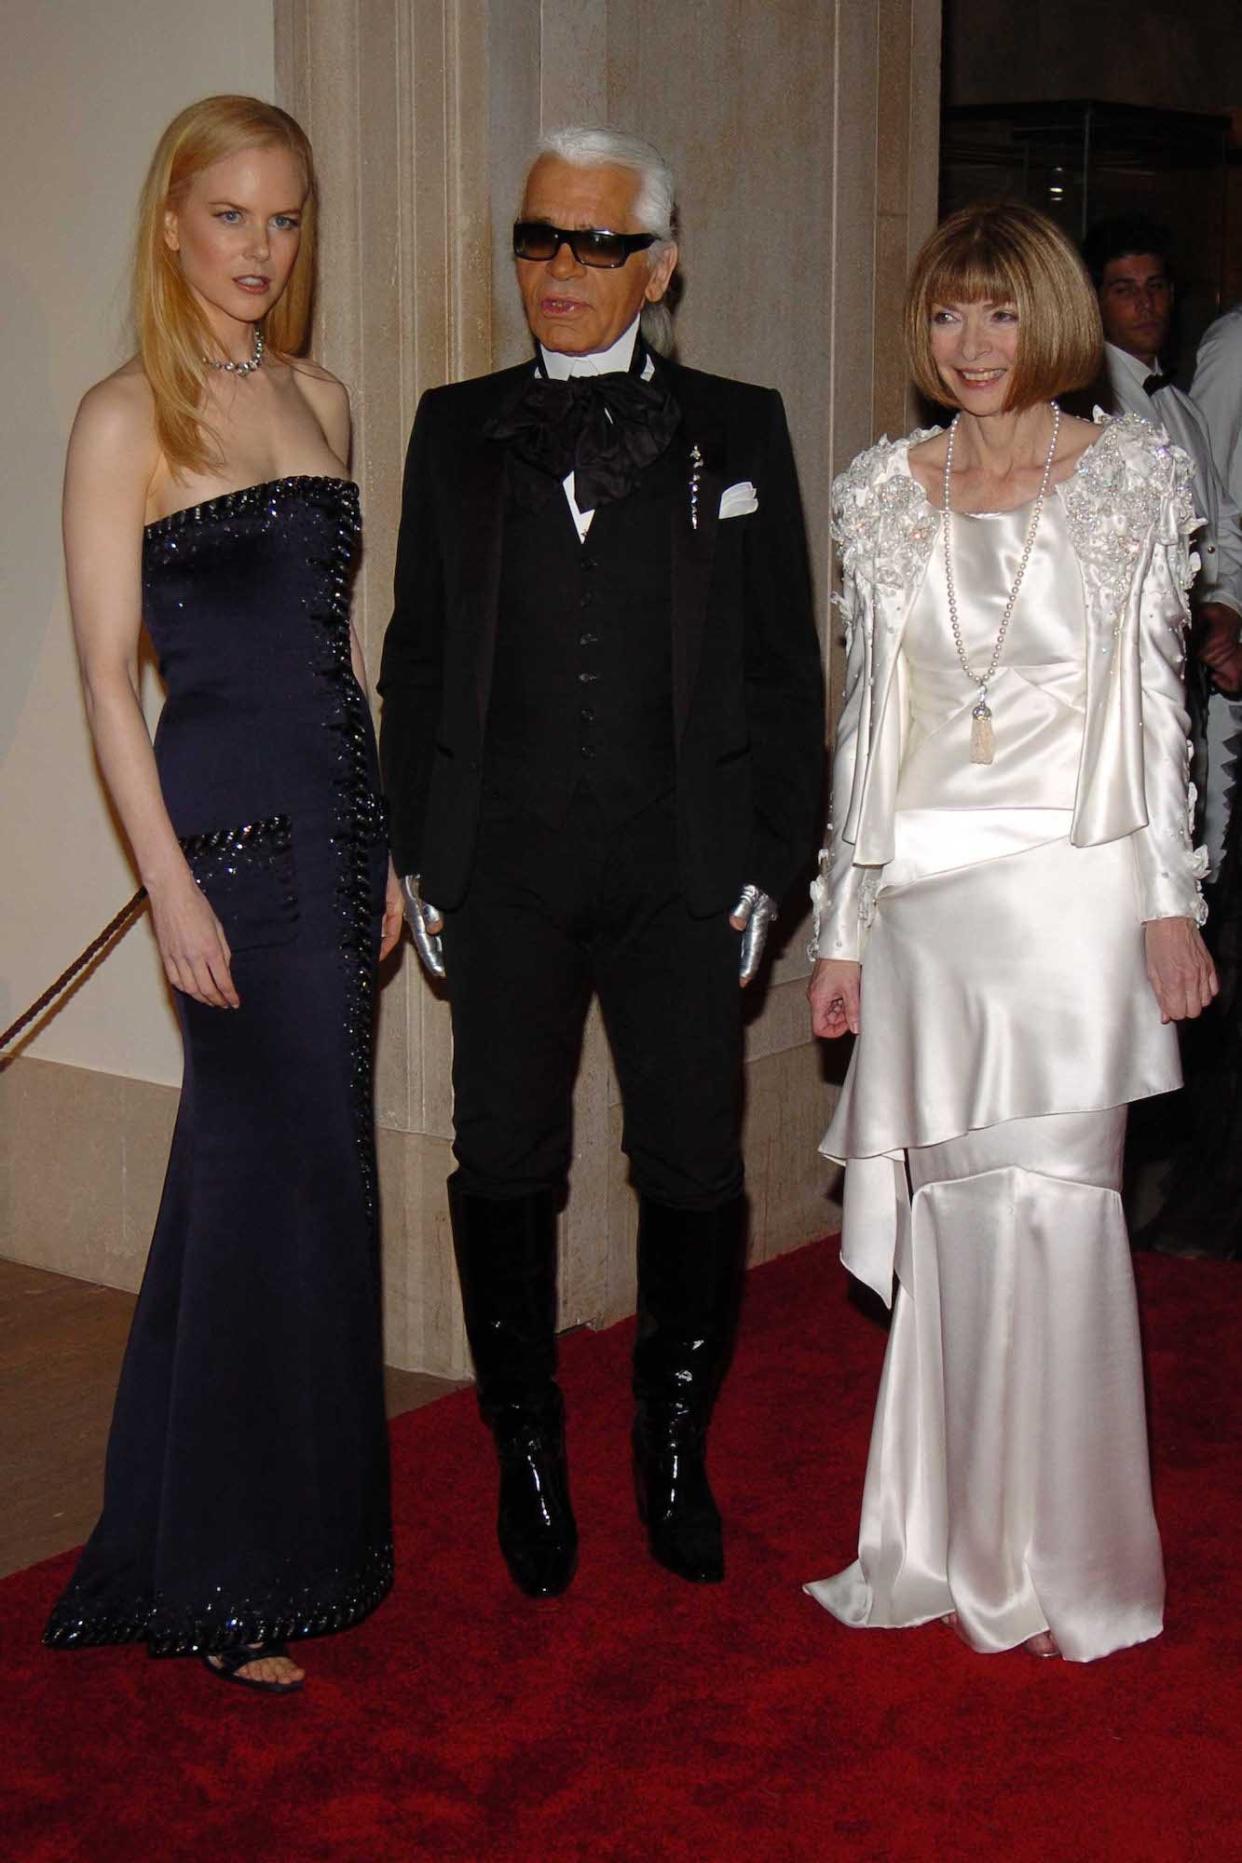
(248, 876)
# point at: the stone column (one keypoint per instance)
(804, 137)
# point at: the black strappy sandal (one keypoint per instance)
(225, 1664)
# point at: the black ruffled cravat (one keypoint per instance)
(605, 429)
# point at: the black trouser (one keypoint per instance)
(552, 916)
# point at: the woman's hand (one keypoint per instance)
(192, 943)
(390, 931)
(835, 993)
(1179, 968)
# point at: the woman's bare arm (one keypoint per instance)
(112, 459)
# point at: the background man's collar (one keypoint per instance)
(616, 360)
(1133, 366)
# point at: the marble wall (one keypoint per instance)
(804, 139)
(804, 135)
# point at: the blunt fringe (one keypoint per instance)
(1007, 253)
(172, 332)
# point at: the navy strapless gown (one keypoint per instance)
(246, 1492)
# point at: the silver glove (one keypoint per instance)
(425, 925)
(756, 910)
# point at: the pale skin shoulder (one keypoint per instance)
(328, 400)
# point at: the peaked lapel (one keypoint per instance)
(693, 537)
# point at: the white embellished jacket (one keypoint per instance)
(1130, 518)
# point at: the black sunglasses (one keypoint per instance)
(590, 245)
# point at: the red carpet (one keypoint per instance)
(638, 1718)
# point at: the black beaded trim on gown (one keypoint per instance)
(246, 1491)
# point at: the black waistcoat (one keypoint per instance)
(582, 687)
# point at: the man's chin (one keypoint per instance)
(564, 340)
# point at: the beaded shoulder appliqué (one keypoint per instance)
(882, 520)
(1130, 483)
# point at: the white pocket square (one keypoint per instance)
(738, 500)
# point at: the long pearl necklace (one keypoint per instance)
(982, 740)
(241, 368)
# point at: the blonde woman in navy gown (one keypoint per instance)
(246, 1495)
(1007, 919)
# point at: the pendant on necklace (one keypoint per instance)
(982, 742)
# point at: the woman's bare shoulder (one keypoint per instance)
(116, 419)
(1075, 437)
(121, 407)
(928, 451)
(328, 400)
(319, 385)
(309, 371)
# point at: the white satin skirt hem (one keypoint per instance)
(1008, 1474)
(850, 1599)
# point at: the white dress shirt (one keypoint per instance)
(1217, 393)
(615, 360)
(1219, 543)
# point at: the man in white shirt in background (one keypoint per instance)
(1217, 393)
(1128, 259)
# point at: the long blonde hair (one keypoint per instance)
(173, 334)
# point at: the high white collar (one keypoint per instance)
(612, 361)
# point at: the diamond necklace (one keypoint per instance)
(241, 368)
(982, 742)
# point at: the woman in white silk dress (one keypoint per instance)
(1007, 918)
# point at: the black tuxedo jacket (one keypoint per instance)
(747, 680)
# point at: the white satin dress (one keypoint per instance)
(1006, 1021)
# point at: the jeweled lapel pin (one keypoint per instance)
(696, 473)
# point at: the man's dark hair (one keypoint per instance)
(1121, 237)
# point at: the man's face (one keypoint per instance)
(1136, 303)
(582, 309)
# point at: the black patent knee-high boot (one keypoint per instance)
(506, 1263)
(689, 1284)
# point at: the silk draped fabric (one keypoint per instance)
(1006, 1021)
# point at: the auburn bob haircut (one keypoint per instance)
(173, 334)
(1007, 253)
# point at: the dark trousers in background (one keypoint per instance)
(553, 916)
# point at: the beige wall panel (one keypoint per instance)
(423, 1327)
(889, 377)
(780, 1023)
(514, 50)
(804, 139)
(586, 1271)
(574, 86)
(85, 90)
(790, 1183)
(895, 47)
(63, 1167)
(923, 110)
(82, 1160)
(148, 1115)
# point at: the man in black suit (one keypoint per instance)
(602, 738)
